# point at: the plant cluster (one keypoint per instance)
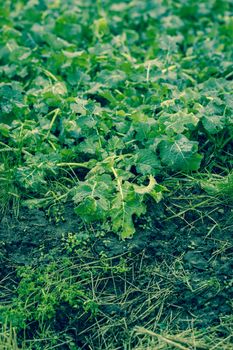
(116, 122)
(106, 97)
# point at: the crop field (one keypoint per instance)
(116, 174)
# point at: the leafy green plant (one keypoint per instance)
(121, 112)
(44, 292)
(81, 97)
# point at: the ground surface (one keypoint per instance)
(166, 276)
(116, 174)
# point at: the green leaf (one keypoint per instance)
(147, 162)
(123, 210)
(111, 78)
(4, 130)
(214, 123)
(179, 122)
(180, 154)
(11, 101)
(93, 200)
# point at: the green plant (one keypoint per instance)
(43, 292)
(103, 114)
(118, 112)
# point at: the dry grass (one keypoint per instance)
(8, 338)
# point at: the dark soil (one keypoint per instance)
(204, 255)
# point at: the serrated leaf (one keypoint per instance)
(123, 210)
